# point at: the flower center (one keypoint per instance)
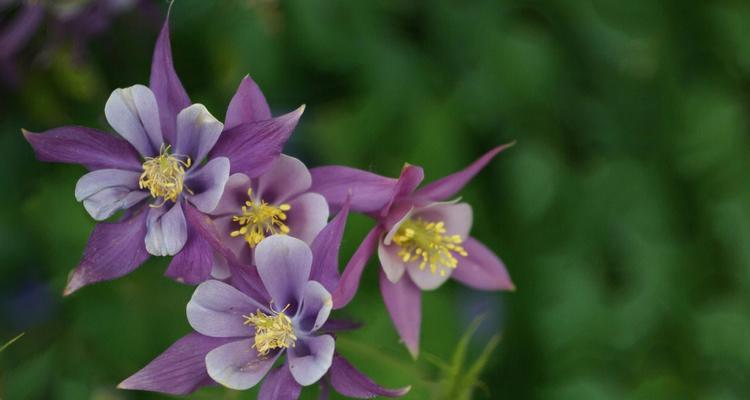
(271, 331)
(163, 175)
(260, 219)
(426, 241)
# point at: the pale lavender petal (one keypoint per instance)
(286, 178)
(482, 269)
(325, 249)
(237, 365)
(307, 217)
(393, 265)
(216, 309)
(411, 177)
(283, 263)
(132, 112)
(220, 268)
(166, 230)
(247, 105)
(457, 217)
(234, 196)
(253, 147)
(448, 186)
(113, 250)
(105, 191)
(180, 370)
(192, 265)
(207, 184)
(311, 358)
(197, 132)
(425, 279)
(349, 282)
(316, 307)
(350, 382)
(89, 147)
(404, 303)
(279, 385)
(238, 245)
(369, 192)
(170, 95)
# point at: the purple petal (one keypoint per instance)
(349, 282)
(369, 192)
(307, 217)
(207, 184)
(234, 195)
(89, 147)
(192, 265)
(216, 309)
(180, 370)
(393, 265)
(132, 112)
(237, 365)
(197, 132)
(113, 250)
(403, 300)
(279, 385)
(311, 358)
(105, 191)
(166, 230)
(411, 177)
(325, 249)
(283, 263)
(448, 186)
(166, 85)
(285, 178)
(350, 382)
(482, 269)
(17, 33)
(316, 307)
(253, 147)
(247, 105)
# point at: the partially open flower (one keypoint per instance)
(239, 338)
(421, 237)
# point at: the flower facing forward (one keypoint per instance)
(239, 338)
(421, 238)
(168, 167)
(276, 202)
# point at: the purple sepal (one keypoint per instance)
(325, 248)
(113, 250)
(192, 265)
(349, 282)
(179, 370)
(170, 95)
(403, 300)
(253, 147)
(247, 105)
(279, 384)
(91, 148)
(350, 382)
(369, 192)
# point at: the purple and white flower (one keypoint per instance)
(239, 337)
(155, 170)
(276, 202)
(421, 237)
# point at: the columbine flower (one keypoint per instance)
(239, 338)
(156, 170)
(277, 202)
(421, 238)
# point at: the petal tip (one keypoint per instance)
(75, 282)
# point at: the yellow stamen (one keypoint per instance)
(271, 331)
(426, 241)
(260, 219)
(163, 176)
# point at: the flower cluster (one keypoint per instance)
(249, 226)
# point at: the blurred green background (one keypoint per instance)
(623, 212)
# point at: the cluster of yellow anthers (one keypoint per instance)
(271, 331)
(420, 239)
(163, 175)
(260, 219)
